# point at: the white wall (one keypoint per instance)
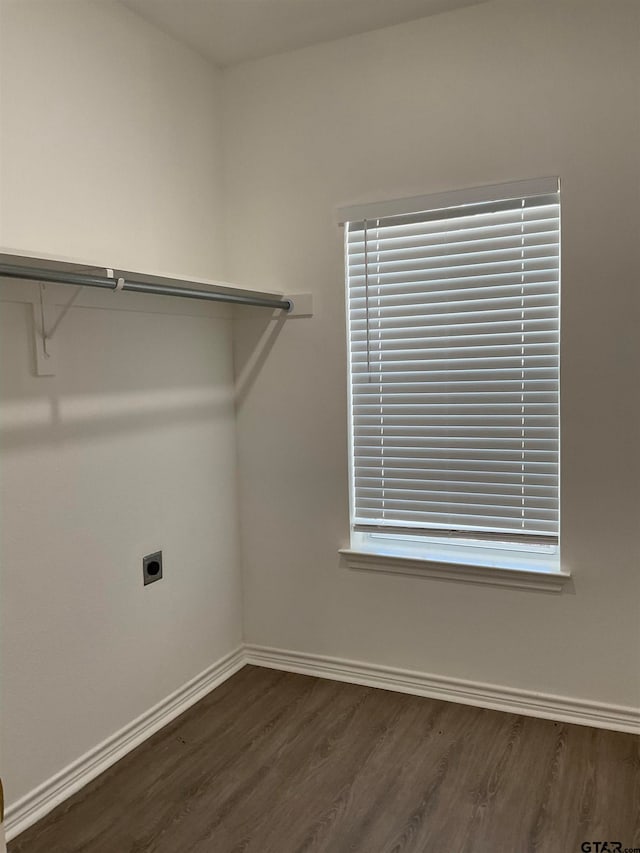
(498, 92)
(110, 139)
(110, 151)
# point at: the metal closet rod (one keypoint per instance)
(84, 280)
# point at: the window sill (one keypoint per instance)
(544, 581)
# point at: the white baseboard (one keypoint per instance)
(545, 705)
(39, 802)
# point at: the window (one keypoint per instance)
(453, 323)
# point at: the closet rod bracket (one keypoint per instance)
(47, 318)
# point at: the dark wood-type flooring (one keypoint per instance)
(278, 763)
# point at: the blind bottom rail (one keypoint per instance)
(453, 533)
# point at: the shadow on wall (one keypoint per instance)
(116, 345)
(58, 417)
(53, 418)
(252, 347)
(133, 376)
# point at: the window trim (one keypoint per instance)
(544, 581)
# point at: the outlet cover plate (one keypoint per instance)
(152, 567)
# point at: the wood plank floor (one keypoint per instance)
(278, 763)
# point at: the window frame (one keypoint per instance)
(494, 561)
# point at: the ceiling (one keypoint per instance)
(231, 31)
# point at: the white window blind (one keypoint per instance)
(454, 354)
